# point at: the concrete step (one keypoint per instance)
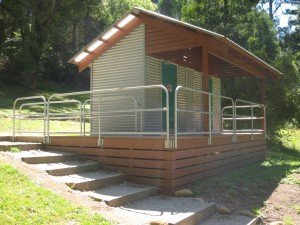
(92, 180)
(169, 210)
(23, 146)
(38, 156)
(120, 194)
(69, 167)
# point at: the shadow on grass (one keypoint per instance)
(252, 185)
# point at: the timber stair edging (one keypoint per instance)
(50, 158)
(22, 146)
(97, 183)
(124, 193)
(69, 168)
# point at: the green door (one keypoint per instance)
(211, 100)
(169, 80)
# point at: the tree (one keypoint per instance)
(39, 36)
(31, 24)
(275, 5)
(171, 8)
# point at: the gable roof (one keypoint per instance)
(216, 44)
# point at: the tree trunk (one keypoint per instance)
(271, 9)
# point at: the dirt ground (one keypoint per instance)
(284, 203)
(280, 202)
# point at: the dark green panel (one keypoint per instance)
(169, 80)
(211, 100)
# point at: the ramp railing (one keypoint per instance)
(38, 114)
(98, 113)
(121, 111)
(197, 112)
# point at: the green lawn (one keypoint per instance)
(8, 94)
(22, 202)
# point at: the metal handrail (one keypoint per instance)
(112, 97)
(111, 90)
(237, 116)
(44, 102)
(252, 105)
(210, 113)
(62, 116)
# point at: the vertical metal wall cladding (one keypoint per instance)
(121, 66)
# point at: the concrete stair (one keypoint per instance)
(69, 167)
(37, 156)
(120, 194)
(92, 180)
(85, 175)
(113, 189)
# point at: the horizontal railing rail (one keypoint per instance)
(98, 94)
(250, 105)
(91, 113)
(42, 116)
(209, 112)
(98, 107)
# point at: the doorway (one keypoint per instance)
(169, 80)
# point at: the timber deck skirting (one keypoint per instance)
(168, 169)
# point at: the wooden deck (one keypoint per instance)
(145, 159)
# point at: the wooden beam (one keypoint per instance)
(237, 62)
(110, 42)
(271, 71)
(172, 46)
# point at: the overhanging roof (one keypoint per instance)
(216, 44)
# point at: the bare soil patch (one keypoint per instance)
(273, 201)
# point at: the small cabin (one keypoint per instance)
(156, 111)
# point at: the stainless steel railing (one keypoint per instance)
(201, 111)
(84, 112)
(90, 114)
(43, 116)
(99, 94)
(247, 115)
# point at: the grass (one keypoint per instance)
(22, 202)
(8, 94)
(6, 125)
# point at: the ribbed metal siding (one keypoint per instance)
(181, 80)
(190, 122)
(216, 104)
(121, 66)
(190, 101)
(198, 102)
(153, 120)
